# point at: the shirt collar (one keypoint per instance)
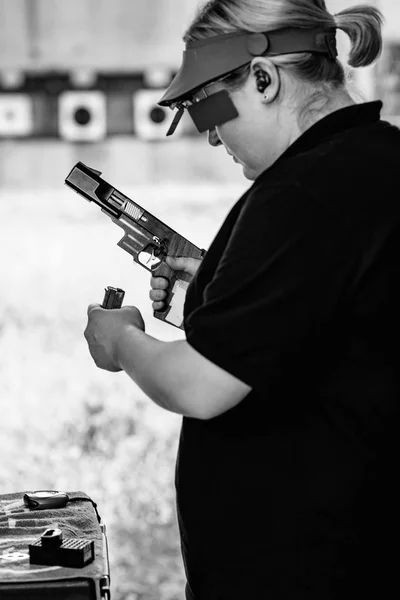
(334, 123)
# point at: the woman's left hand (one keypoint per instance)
(103, 330)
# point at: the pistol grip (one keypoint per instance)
(176, 293)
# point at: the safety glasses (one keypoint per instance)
(208, 107)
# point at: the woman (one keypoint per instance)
(288, 380)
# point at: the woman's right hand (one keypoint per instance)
(159, 285)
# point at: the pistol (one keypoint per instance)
(146, 238)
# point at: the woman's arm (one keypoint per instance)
(172, 374)
(177, 377)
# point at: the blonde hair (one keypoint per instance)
(362, 23)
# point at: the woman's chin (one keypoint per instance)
(249, 173)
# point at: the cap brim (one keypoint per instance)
(206, 62)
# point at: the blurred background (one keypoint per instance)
(79, 81)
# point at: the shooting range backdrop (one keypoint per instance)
(84, 70)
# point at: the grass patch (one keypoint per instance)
(66, 424)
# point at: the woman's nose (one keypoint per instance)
(213, 138)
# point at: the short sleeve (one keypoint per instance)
(277, 287)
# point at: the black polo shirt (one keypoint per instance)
(293, 493)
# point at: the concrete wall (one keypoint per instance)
(391, 10)
(106, 34)
(114, 34)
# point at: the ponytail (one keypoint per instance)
(363, 25)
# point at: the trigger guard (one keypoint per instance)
(157, 259)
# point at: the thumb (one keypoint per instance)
(183, 263)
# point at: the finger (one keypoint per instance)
(158, 305)
(178, 263)
(157, 295)
(159, 283)
(92, 307)
(183, 263)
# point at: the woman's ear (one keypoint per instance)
(266, 78)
